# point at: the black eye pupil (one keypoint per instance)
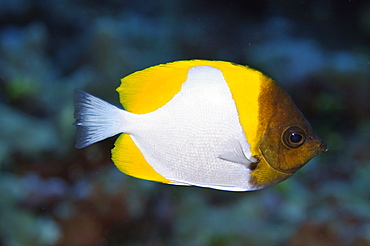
(295, 138)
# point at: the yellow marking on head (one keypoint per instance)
(129, 160)
(149, 89)
(245, 86)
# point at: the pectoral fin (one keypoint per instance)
(237, 155)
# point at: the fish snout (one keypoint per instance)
(323, 147)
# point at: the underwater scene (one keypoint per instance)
(52, 193)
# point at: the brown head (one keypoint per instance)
(286, 141)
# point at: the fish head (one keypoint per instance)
(286, 139)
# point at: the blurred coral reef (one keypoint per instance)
(53, 194)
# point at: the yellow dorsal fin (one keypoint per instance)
(128, 159)
(149, 89)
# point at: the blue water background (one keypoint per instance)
(53, 194)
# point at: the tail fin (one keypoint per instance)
(96, 119)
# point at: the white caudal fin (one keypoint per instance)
(96, 119)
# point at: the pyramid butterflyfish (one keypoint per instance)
(211, 124)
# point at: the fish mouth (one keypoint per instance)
(323, 147)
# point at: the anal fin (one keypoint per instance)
(129, 160)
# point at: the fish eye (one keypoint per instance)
(294, 137)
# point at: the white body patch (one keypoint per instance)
(191, 140)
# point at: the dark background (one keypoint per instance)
(53, 194)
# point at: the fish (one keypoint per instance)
(212, 124)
